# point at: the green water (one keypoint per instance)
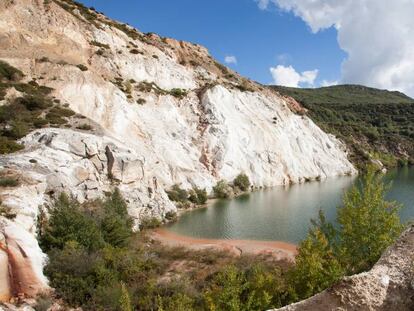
(284, 213)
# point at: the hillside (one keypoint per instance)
(90, 105)
(375, 124)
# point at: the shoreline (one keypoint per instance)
(278, 249)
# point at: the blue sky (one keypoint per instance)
(259, 39)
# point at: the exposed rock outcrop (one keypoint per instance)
(389, 285)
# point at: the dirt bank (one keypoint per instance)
(281, 250)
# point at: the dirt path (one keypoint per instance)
(281, 250)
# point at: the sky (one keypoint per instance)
(300, 43)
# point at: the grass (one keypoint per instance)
(371, 122)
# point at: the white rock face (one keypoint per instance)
(209, 133)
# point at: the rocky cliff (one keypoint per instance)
(163, 112)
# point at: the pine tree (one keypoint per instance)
(125, 300)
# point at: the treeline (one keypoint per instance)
(375, 124)
(98, 263)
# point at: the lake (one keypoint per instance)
(284, 213)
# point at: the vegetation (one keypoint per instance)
(183, 197)
(9, 73)
(242, 182)
(367, 225)
(100, 45)
(136, 51)
(375, 124)
(92, 269)
(178, 93)
(82, 67)
(222, 190)
(198, 196)
(6, 211)
(8, 182)
(98, 263)
(34, 109)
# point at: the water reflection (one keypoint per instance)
(283, 213)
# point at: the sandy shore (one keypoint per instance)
(281, 250)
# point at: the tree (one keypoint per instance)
(225, 291)
(68, 223)
(368, 224)
(242, 182)
(125, 300)
(316, 266)
(116, 224)
(222, 190)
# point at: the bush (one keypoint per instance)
(242, 182)
(222, 190)
(9, 146)
(149, 223)
(135, 51)
(6, 211)
(82, 67)
(43, 302)
(99, 44)
(68, 223)
(141, 101)
(84, 127)
(9, 73)
(367, 225)
(8, 182)
(177, 194)
(198, 196)
(178, 93)
(171, 216)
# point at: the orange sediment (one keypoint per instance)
(281, 250)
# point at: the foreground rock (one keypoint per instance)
(389, 285)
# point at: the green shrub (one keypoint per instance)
(18, 129)
(366, 225)
(99, 44)
(222, 190)
(141, 101)
(178, 93)
(33, 103)
(6, 211)
(68, 223)
(242, 182)
(177, 194)
(198, 196)
(85, 127)
(136, 51)
(171, 216)
(8, 182)
(43, 302)
(82, 67)
(9, 73)
(149, 223)
(9, 146)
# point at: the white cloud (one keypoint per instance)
(263, 4)
(377, 35)
(328, 83)
(230, 60)
(288, 76)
